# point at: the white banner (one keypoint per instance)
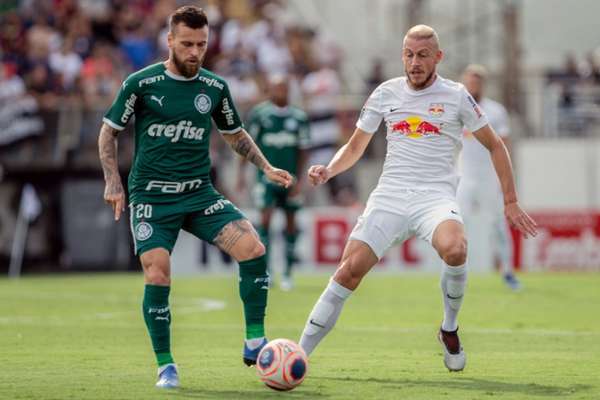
(320, 245)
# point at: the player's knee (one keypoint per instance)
(347, 274)
(157, 275)
(257, 249)
(455, 253)
(156, 270)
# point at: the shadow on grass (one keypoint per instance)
(464, 383)
(197, 393)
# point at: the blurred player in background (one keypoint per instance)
(169, 185)
(479, 188)
(416, 195)
(281, 133)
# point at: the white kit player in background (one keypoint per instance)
(479, 190)
(425, 115)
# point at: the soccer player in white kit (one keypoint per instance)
(479, 189)
(425, 115)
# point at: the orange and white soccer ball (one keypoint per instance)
(282, 364)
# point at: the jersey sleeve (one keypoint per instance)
(225, 115)
(304, 133)
(123, 107)
(471, 115)
(371, 114)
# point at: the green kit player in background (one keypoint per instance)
(169, 185)
(281, 133)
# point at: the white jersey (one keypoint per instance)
(424, 132)
(476, 163)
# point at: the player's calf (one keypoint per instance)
(324, 315)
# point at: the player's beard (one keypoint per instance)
(422, 85)
(186, 69)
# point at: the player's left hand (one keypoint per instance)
(279, 176)
(520, 220)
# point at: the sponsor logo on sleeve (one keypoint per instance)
(227, 112)
(129, 108)
(475, 106)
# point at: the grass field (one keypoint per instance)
(82, 337)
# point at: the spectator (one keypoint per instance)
(42, 39)
(66, 64)
(137, 47)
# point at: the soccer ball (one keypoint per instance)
(282, 364)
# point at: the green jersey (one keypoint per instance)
(279, 132)
(172, 130)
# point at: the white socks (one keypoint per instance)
(324, 315)
(453, 282)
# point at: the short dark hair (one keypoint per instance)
(191, 16)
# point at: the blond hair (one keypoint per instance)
(423, 32)
(477, 70)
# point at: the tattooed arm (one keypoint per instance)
(242, 143)
(113, 191)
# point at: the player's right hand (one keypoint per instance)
(115, 196)
(318, 175)
(520, 220)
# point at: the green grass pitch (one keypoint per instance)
(83, 337)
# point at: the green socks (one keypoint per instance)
(254, 286)
(290, 255)
(157, 316)
(263, 234)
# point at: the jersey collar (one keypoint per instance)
(280, 110)
(426, 90)
(179, 77)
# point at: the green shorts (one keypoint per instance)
(158, 225)
(268, 195)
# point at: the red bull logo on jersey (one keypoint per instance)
(436, 109)
(414, 127)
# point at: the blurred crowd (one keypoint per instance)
(62, 62)
(577, 88)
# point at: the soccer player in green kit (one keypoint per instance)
(281, 133)
(169, 185)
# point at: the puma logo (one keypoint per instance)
(453, 297)
(156, 99)
(162, 318)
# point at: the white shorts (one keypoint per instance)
(390, 219)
